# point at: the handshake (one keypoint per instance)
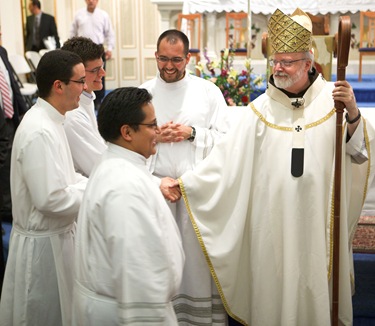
(170, 188)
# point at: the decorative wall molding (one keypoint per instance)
(168, 5)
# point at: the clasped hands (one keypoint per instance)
(171, 132)
(170, 189)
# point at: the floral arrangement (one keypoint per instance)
(235, 86)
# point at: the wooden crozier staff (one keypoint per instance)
(342, 62)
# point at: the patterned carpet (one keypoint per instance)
(364, 238)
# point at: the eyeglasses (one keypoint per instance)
(81, 81)
(95, 70)
(175, 60)
(153, 125)
(284, 63)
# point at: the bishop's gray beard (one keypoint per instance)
(287, 80)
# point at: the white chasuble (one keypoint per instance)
(266, 234)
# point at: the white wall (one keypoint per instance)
(11, 25)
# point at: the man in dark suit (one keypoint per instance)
(19, 107)
(4, 145)
(7, 129)
(39, 26)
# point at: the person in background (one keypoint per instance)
(81, 125)
(38, 280)
(39, 26)
(12, 120)
(94, 23)
(9, 120)
(262, 202)
(193, 116)
(129, 255)
(4, 146)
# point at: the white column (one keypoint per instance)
(11, 26)
(165, 20)
(166, 7)
(211, 27)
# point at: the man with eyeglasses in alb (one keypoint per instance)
(262, 201)
(192, 115)
(81, 125)
(38, 282)
(129, 255)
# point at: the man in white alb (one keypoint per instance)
(38, 281)
(81, 125)
(129, 255)
(193, 116)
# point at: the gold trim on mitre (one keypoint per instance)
(290, 34)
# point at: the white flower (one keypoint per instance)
(247, 63)
(233, 73)
(226, 53)
(215, 64)
(258, 80)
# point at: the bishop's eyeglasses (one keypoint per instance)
(284, 63)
